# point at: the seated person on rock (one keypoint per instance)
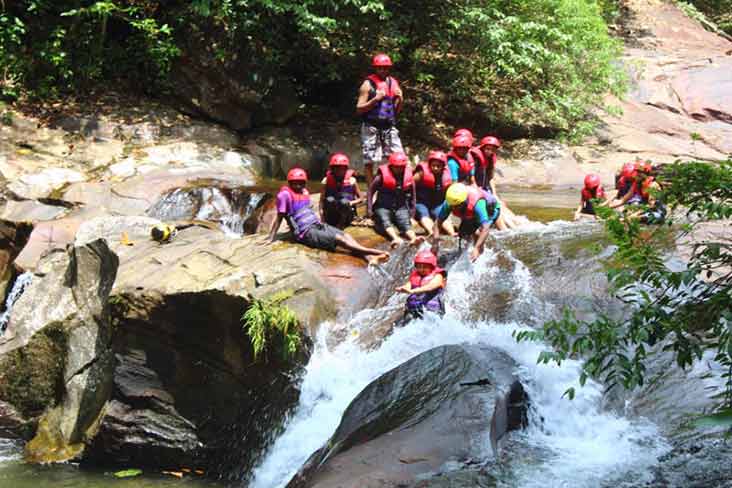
(431, 180)
(394, 186)
(477, 210)
(293, 204)
(459, 160)
(592, 191)
(624, 179)
(485, 158)
(648, 188)
(340, 194)
(425, 287)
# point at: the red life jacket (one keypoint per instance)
(645, 186)
(333, 187)
(428, 177)
(389, 182)
(466, 165)
(478, 157)
(468, 211)
(384, 112)
(417, 280)
(587, 194)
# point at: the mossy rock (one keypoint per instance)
(31, 377)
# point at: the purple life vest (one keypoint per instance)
(301, 216)
(384, 112)
(431, 300)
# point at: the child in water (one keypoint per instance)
(425, 286)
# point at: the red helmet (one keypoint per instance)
(490, 141)
(297, 174)
(426, 257)
(381, 60)
(592, 181)
(437, 156)
(398, 159)
(464, 132)
(462, 141)
(339, 159)
(628, 170)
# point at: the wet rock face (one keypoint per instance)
(187, 392)
(235, 209)
(56, 357)
(447, 405)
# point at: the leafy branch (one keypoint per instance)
(272, 325)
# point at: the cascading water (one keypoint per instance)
(21, 282)
(233, 209)
(572, 442)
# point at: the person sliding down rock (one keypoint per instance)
(394, 186)
(293, 204)
(425, 286)
(592, 191)
(431, 180)
(341, 194)
(477, 210)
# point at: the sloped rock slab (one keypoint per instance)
(448, 406)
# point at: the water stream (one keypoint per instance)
(572, 443)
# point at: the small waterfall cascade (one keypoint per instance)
(574, 443)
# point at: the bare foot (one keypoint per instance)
(377, 259)
(396, 242)
(417, 241)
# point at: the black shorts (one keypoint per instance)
(321, 236)
(399, 218)
(338, 213)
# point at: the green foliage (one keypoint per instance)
(715, 15)
(684, 311)
(271, 325)
(539, 63)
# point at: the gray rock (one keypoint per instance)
(444, 407)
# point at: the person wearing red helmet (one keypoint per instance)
(644, 192)
(431, 179)
(592, 191)
(459, 160)
(464, 132)
(426, 286)
(379, 102)
(340, 193)
(395, 196)
(624, 179)
(293, 205)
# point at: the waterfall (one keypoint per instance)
(573, 442)
(21, 282)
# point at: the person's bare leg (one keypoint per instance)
(413, 239)
(500, 223)
(368, 168)
(427, 224)
(370, 254)
(393, 235)
(449, 228)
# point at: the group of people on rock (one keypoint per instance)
(459, 182)
(636, 186)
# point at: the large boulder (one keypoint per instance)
(446, 407)
(187, 391)
(55, 357)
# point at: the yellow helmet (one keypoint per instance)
(457, 193)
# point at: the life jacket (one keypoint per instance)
(340, 189)
(431, 300)
(623, 185)
(483, 167)
(301, 216)
(465, 166)
(587, 198)
(636, 194)
(392, 195)
(467, 210)
(429, 190)
(384, 112)
(645, 186)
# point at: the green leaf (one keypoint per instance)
(128, 473)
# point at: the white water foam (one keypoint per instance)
(21, 282)
(584, 444)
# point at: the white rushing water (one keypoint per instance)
(21, 282)
(583, 445)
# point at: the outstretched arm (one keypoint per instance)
(370, 196)
(275, 225)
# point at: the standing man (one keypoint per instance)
(379, 102)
